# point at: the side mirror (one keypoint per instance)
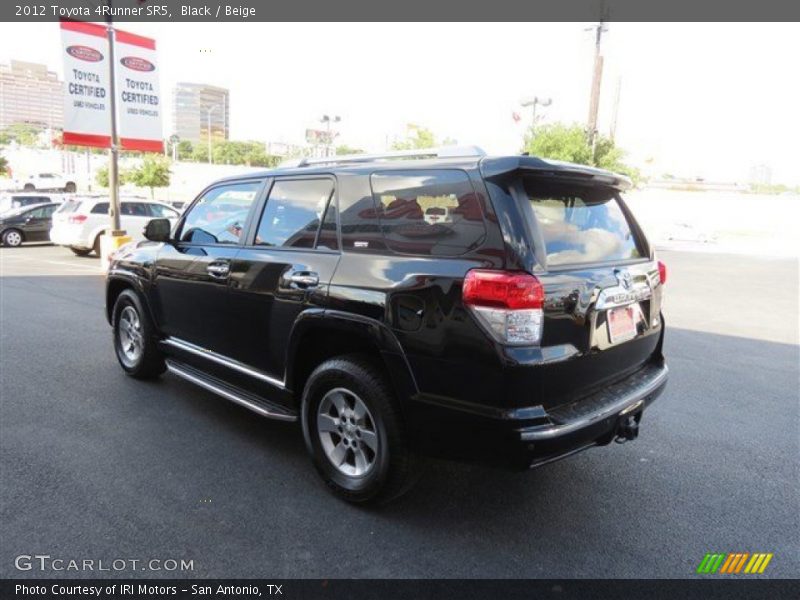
(157, 230)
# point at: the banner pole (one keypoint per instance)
(113, 166)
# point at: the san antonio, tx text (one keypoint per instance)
(129, 589)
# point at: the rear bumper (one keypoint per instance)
(67, 235)
(533, 436)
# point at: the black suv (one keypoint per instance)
(442, 302)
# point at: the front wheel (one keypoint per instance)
(134, 338)
(12, 237)
(355, 433)
(80, 251)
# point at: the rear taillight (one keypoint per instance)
(508, 304)
(77, 219)
(662, 272)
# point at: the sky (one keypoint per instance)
(696, 100)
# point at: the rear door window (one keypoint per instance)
(428, 212)
(101, 208)
(293, 212)
(581, 224)
(134, 209)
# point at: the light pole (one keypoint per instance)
(534, 102)
(327, 119)
(208, 128)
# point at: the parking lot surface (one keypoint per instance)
(95, 465)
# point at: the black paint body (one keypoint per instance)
(463, 394)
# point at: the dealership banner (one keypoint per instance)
(87, 92)
(138, 97)
(87, 106)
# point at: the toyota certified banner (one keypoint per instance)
(138, 97)
(87, 106)
(86, 84)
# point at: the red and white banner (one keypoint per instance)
(138, 98)
(87, 120)
(87, 93)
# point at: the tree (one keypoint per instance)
(421, 138)
(101, 177)
(345, 149)
(152, 173)
(570, 143)
(24, 134)
(185, 150)
(3, 165)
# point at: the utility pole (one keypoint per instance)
(113, 152)
(534, 102)
(597, 76)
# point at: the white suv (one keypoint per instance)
(47, 181)
(79, 223)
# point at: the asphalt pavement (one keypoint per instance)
(95, 465)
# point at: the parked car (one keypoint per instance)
(47, 181)
(26, 224)
(10, 202)
(80, 222)
(525, 329)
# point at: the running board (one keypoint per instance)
(230, 392)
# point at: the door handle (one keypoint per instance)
(219, 270)
(303, 280)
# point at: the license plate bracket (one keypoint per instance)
(621, 324)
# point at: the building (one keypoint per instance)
(195, 106)
(30, 93)
(761, 174)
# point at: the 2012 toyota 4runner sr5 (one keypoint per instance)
(522, 326)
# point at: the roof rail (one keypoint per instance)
(442, 152)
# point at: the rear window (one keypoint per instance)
(70, 206)
(428, 212)
(101, 208)
(581, 224)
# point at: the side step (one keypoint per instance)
(258, 405)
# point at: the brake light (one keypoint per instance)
(508, 304)
(77, 219)
(662, 272)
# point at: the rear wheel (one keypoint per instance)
(70, 187)
(355, 433)
(12, 237)
(28, 187)
(80, 251)
(134, 338)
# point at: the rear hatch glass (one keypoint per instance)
(581, 225)
(67, 208)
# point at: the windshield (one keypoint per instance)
(581, 224)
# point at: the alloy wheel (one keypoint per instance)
(347, 432)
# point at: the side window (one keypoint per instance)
(293, 212)
(101, 208)
(328, 239)
(47, 211)
(219, 217)
(37, 213)
(162, 212)
(431, 213)
(133, 209)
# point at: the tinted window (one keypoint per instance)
(293, 211)
(162, 212)
(134, 209)
(100, 208)
(220, 215)
(432, 212)
(581, 225)
(327, 233)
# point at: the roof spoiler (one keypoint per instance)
(497, 168)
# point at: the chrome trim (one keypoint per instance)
(624, 405)
(227, 394)
(617, 296)
(222, 360)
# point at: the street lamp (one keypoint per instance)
(534, 102)
(327, 119)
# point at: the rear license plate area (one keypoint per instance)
(621, 324)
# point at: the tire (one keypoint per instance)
(393, 468)
(135, 342)
(81, 251)
(28, 187)
(70, 188)
(96, 245)
(12, 238)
